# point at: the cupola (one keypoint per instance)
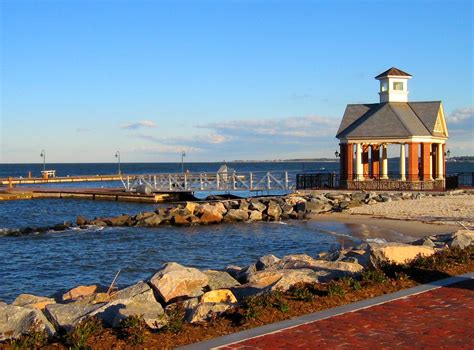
(393, 85)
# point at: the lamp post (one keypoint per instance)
(43, 154)
(117, 155)
(447, 153)
(336, 154)
(183, 154)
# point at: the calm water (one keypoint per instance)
(44, 264)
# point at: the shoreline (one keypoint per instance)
(391, 229)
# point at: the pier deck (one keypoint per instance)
(60, 179)
(105, 194)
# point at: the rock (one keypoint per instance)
(462, 239)
(191, 207)
(220, 279)
(142, 216)
(318, 207)
(236, 215)
(385, 198)
(293, 200)
(81, 221)
(327, 270)
(300, 207)
(281, 280)
(181, 217)
(98, 222)
(151, 221)
(211, 217)
(266, 261)
(67, 316)
(136, 300)
(33, 301)
(425, 241)
(274, 211)
(175, 281)
(205, 311)
(79, 292)
(243, 275)
(256, 215)
(17, 320)
(336, 196)
(359, 196)
(359, 256)
(118, 221)
(218, 296)
(398, 253)
(233, 270)
(257, 205)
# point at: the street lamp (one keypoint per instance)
(336, 154)
(43, 154)
(447, 153)
(117, 155)
(183, 154)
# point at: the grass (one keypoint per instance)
(132, 329)
(78, 338)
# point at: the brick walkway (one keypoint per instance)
(440, 318)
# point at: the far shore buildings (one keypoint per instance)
(418, 129)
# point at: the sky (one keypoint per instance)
(219, 79)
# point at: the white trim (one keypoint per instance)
(422, 139)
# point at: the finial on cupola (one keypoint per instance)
(393, 85)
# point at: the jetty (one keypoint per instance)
(59, 179)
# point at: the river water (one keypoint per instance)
(46, 263)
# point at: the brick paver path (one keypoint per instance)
(440, 318)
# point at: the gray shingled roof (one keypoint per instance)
(392, 119)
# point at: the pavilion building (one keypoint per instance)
(418, 129)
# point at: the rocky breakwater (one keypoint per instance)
(206, 294)
(292, 207)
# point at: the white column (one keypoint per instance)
(359, 171)
(384, 174)
(402, 162)
(440, 162)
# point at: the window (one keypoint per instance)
(384, 86)
(397, 85)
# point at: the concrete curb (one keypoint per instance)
(317, 316)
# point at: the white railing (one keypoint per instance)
(194, 182)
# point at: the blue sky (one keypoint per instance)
(219, 79)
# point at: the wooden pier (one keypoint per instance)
(104, 194)
(60, 179)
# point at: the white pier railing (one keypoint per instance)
(196, 182)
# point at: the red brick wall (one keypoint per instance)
(413, 161)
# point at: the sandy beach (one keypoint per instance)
(406, 220)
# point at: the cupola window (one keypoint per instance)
(398, 85)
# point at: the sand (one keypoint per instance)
(406, 220)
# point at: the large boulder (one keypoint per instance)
(316, 207)
(118, 221)
(33, 301)
(397, 253)
(274, 211)
(281, 280)
(210, 214)
(150, 221)
(220, 279)
(80, 292)
(462, 239)
(256, 215)
(266, 261)
(256, 205)
(174, 281)
(236, 215)
(68, 316)
(197, 312)
(218, 296)
(17, 320)
(191, 207)
(136, 300)
(293, 200)
(243, 275)
(326, 270)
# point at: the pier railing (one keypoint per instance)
(195, 182)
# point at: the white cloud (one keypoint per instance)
(139, 124)
(461, 115)
(154, 149)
